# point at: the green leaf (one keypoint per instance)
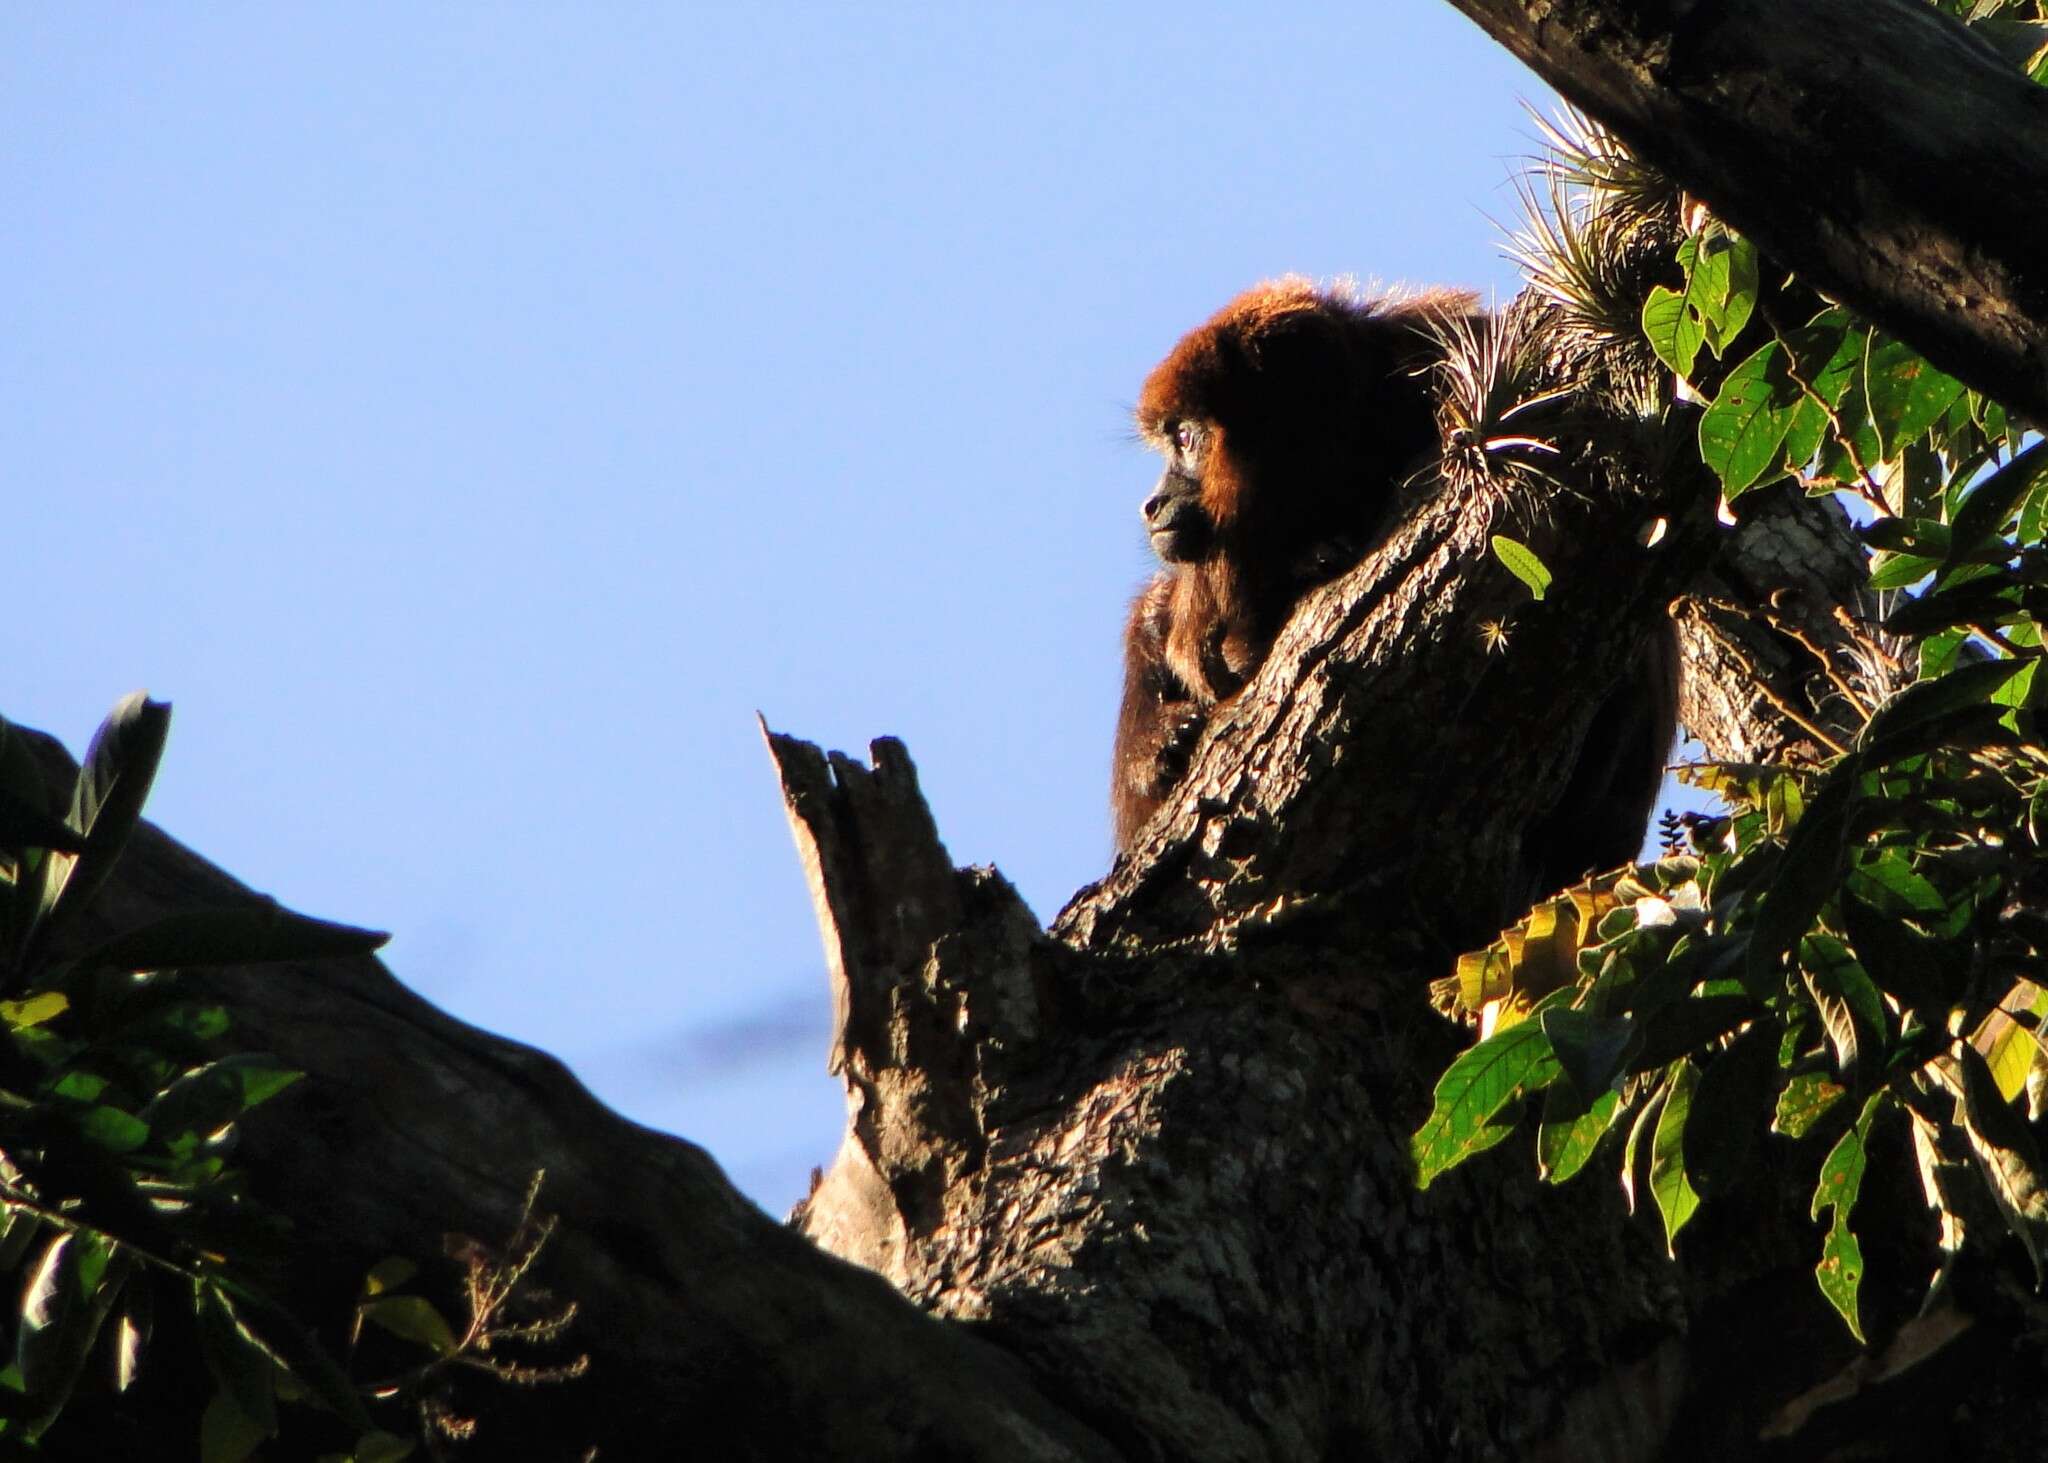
(1907, 395)
(1564, 1146)
(1523, 564)
(46, 1298)
(1923, 974)
(1591, 1049)
(1672, 330)
(1720, 292)
(260, 931)
(2012, 1048)
(1888, 881)
(1806, 876)
(68, 1295)
(308, 1361)
(211, 1096)
(1474, 1089)
(381, 1447)
(1994, 500)
(1807, 1099)
(26, 823)
(34, 1011)
(1743, 432)
(1730, 1109)
(1840, 1271)
(226, 1433)
(132, 1330)
(1981, 599)
(1828, 353)
(1645, 1123)
(1669, 1186)
(1852, 1011)
(388, 1274)
(1892, 732)
(1683, 1027)
(107, 801)
(112, 1129)
(1902, 571)
(240, 1360)
(1909, 536)
(414, 1318)
(2006, 1155)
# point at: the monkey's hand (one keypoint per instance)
(1176, 750)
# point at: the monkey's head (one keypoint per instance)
(1286, 421)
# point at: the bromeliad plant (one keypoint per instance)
(1858, 943)
(120, 1207)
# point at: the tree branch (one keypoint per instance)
(1875, 146)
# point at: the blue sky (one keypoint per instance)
(470, 415)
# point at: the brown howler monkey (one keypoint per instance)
(1289, 422)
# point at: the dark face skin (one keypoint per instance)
(1180, 528)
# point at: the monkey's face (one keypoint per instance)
(1181, 530)
(1258, 414)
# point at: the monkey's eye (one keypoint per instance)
(1186, 438)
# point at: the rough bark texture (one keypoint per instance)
(1890, 157)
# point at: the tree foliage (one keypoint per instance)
(1857, 944)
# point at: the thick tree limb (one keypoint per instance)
(1875, 146)
(713, 1331)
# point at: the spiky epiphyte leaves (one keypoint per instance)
(1496, 405)
(1586, 159)
(1596, 235)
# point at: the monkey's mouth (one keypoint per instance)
(1180, 534)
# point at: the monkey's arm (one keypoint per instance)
(1156, 724)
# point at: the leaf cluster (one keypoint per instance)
(1855, 945)
(120, 1206)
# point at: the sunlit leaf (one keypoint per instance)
(35, 1010)
(1840, 1271)
(1852, 1010)
(1475, 1088)
(1806, 1099)
(2011, 1049)
(1889, 882)
(2006, 1154)
(1906, 394)
(1523, 564)
(1669, 1186)
(1743, 432)
(1564, 1146)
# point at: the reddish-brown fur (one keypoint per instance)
(1290, 421)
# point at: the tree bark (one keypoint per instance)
(1892, 158)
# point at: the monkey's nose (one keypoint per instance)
(1154, 506)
